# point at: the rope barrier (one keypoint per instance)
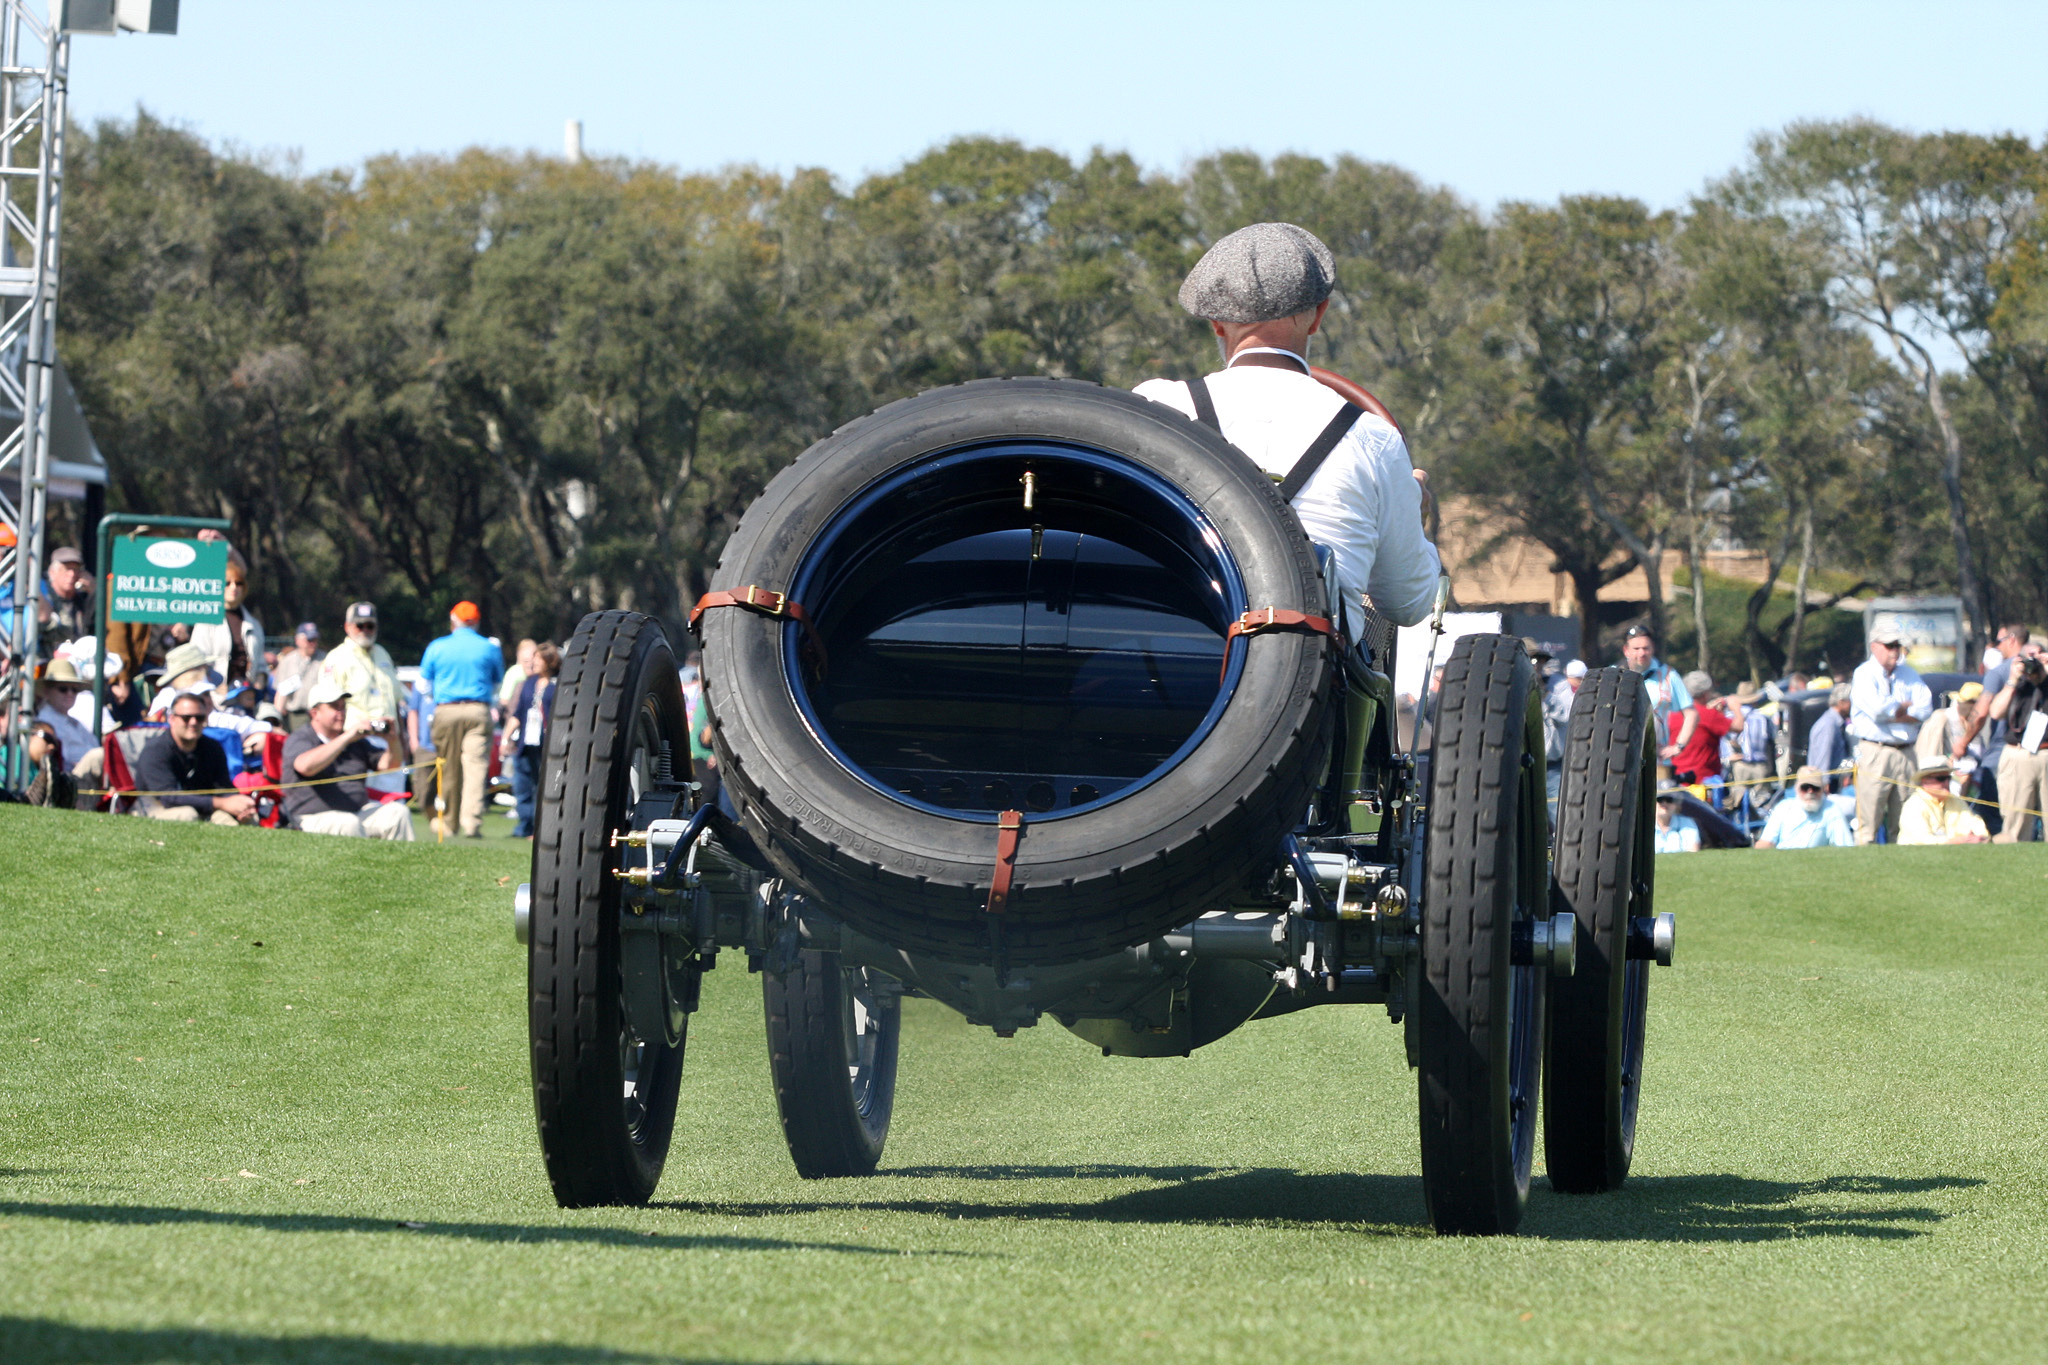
(436, 765)
(1851, 772)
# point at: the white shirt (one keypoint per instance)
(1363, 503)
(1873, 693)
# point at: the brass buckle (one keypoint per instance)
(777, 603)
(1250, 621)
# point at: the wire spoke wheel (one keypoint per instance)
(832, 1040)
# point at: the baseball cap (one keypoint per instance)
(326, 692)
(1637, 632)
(361, 614)
(466, 610)
(1886, 637)
(1698, 681)
(66, 554)
(307, 629)
(1575, 669)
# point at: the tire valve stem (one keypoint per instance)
(1037, 532)
(1030, 496)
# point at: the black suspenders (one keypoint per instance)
(1311, 459)
(1205, 406)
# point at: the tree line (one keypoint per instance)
(553, 387)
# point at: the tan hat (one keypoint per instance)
(1747, 692)
(1939, 768)
(1970, 691)
(1808, 775)
(183, 660)
(326, 692)
(60, 671)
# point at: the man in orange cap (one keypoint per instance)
(462, 670)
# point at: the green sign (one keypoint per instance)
(160, 579)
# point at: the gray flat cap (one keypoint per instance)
(1258, 273)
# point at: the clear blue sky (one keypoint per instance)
(1498, 101)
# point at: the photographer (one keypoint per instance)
(2022, 704)
(331, 745)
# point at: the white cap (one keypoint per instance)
(1575, 669)
(325, 692)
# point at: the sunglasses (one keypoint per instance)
(193, 716)
(1809, 787)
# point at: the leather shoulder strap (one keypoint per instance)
(1205, 406)
(1319, 450)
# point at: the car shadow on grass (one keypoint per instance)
(140, 1215)
(40, 1341)
(1193, 1195)
(1734, 1208)
(1699, 1208)
(1092, 1171)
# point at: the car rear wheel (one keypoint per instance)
(1481, 1019)
(1606, 876)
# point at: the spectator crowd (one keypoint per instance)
(1886, 760)
(213, 723)
(216, 723)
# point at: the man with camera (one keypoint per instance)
(2022, 704)
(1887, 703)
(331, 751)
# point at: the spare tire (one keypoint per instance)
(1014, 595)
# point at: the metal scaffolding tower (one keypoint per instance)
(34, 55)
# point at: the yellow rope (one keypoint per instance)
(271, 786)
(1851, 771)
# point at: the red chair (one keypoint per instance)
(264, 787)
(118, 753)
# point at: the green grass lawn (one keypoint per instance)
(264, 1097)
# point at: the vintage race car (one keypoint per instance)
(1032, 697)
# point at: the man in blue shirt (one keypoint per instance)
(1808, 821)
(1827, 743)
(1668, 694)
(462, 670)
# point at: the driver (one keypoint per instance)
(1263, 290)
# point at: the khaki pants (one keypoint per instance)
(2022, 786)
(390, 820)
(462, 737)
(1884, 779)
(189, 815)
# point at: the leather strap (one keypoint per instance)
(1271, 618)
(767, 603)
(1319, 450)
(1009, 833)
(1205, 406)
